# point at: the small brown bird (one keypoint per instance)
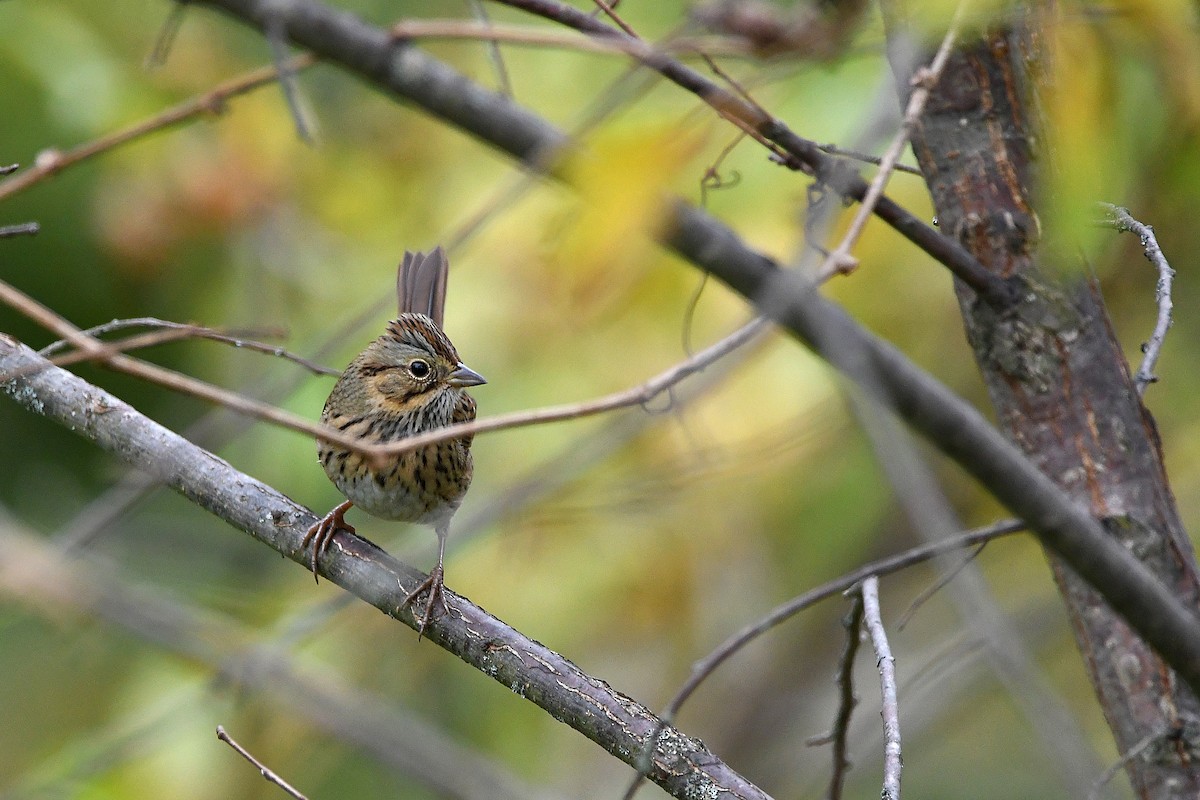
(408, 381)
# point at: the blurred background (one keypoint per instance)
(632, 543)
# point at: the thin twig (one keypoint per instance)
(212, 430)
(103, 353)
(1115, 768)
(199, 331)
(840, 259)
(51, 162)
(542, 37)
(20, 229)
(943, 579)
(706, 666)
(493, 48)
(846, 697)
(890, 705)
(268, 774)
(642, 394)
(867, 158)
(166, 35)
(609, 11)
(1122, 220)
(275, 32)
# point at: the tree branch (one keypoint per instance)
(683, 766)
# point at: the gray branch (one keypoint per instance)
(681, 765)
(890, 706)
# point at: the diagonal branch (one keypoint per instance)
(615, 722)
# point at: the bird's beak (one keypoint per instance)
(463, 376)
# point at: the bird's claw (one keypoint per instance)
(433, 584)
(323, 531)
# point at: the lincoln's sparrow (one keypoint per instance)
(406, 382)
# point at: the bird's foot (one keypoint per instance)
(433, 584)
(322, 533)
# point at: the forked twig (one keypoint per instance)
(706, 666)
(943, 579)
(198, 331)
(839, 259)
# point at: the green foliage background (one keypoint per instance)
(633, 562)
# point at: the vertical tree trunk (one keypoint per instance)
(1061, 388)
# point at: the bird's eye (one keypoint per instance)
(419, 369)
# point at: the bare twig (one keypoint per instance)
(1115, 768)
(166, 35)
(20, 229)
(706, 666)
(210, 430)
(846, 697)
(612, 14)
(268, 774)
(936, 586)
(890, 706)
(493, 48)
(170, 379)
(1122, 220)
(275, 32)
(50, 162)
(642, 394)
(840, 260)
(867, 158)
(541, 37)
(199, 331)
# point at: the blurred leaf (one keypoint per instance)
(1080, 100)
(622, 178)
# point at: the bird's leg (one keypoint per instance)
(322, 533)
(433, 583)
